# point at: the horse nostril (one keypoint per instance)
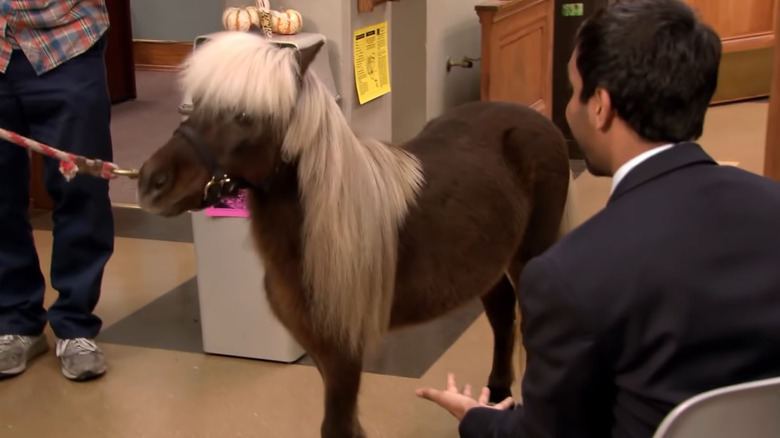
(154, 181)
(159, 180)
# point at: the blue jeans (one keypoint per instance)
(68, 108)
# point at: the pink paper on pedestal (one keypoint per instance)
(230, 207)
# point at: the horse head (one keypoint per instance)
(244, 90)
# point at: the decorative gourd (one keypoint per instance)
(288, 22)
(241, 19)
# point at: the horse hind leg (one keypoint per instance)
(499, 304)
(552, 217)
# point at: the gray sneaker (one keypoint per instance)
(81, 359)
(17, 350)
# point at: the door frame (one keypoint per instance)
(772, 147)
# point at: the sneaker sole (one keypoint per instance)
(39, 348)
(83, 377)
(13, 372)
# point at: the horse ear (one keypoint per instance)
(306, 56)
(253, 28)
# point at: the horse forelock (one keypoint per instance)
(242, 72)
(355, 196)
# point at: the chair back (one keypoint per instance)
(747, 410)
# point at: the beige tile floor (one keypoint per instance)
(160, 393)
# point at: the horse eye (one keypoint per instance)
(242, 118)
(241, 148)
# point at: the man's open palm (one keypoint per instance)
(457, 403)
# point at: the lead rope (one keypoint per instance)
(70, 164)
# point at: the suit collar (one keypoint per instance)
(632, 163)
(681, 155)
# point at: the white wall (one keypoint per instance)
(174, 20)
(336, 20)
(408, 70)
(453, 31)
(425, 34)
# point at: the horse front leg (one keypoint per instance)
(341, 373)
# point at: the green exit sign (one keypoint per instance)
(572, 9)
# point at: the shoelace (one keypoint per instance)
(7, 341)
(80, 345)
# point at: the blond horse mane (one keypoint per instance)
(355, 193)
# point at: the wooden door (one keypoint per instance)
(747, 29)
(119, 52)
(772, 151)
(517, 45)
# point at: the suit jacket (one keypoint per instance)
(672, 290)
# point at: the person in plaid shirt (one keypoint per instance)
(53, 89)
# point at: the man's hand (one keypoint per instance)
(458, 403)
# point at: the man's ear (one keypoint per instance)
(602, 112)
(306, 56)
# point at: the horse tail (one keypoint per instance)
(569, 217)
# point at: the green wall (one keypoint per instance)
(174, 20)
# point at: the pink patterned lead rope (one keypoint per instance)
(70, 164)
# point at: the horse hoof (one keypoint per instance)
(499, 393)
(354, 432)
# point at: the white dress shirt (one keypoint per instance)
(630, 164)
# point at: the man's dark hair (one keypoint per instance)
(658, 62)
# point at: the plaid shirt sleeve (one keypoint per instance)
(50, 32)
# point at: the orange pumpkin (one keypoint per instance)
(288, 22)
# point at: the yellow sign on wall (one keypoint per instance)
(372, 70)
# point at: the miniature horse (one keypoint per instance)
(359, 237)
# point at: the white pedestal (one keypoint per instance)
(236, 319)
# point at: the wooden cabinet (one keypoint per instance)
(741, 24)
(517, 45)
(368, 5)
(747, 29)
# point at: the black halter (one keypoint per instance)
(221, 185)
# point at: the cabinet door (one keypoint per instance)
(772, 148)
(517, 37)
(747, 30)
(741, 24)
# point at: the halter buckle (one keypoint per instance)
(218, 188)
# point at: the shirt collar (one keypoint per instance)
(630, 164)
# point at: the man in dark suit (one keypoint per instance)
(674, 288)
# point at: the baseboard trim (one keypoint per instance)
(132, 223)
(744, 75)
(158, 55)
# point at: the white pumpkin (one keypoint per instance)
(241, 19)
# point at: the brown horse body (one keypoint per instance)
(485, 189)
